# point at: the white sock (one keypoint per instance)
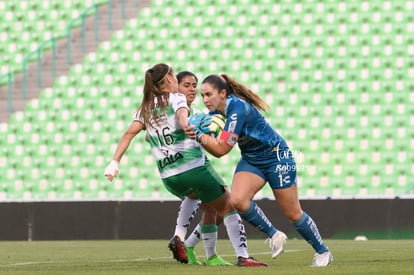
(194, 238)
(209, 236)
(186, 213)
(237, 234)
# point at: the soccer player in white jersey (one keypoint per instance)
(180, 160)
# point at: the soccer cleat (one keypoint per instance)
(241, 261)
(323, 259)
(276, 243)
(192, 258)
(177, 247)
(217, 261)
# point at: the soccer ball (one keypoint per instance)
(217, 124)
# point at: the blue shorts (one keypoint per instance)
(278, 172)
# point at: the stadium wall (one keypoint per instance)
(88, 220)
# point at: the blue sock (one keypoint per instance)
(309, 231)
(255, 216)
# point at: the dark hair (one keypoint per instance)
(231, 86)
(156, 74)
(154, 78)
(183, 74)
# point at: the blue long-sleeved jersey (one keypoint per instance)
(246, 126)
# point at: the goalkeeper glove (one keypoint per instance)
(201, 122)
(112, 170)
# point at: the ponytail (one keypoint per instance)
(245, 93)
(153, 97)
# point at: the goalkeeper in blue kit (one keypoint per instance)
(265, 157)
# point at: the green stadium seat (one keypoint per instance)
(28, 25)
(336, 91)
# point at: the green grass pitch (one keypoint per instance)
(153, 257)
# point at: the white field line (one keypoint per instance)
(223, 255)
(27, 263)
(133, 260)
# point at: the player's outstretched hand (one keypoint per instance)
(112, 170)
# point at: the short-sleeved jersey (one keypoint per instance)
(246, 126)
(173, 151)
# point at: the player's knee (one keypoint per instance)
(240, 204)
(208, 210)
(293, 215)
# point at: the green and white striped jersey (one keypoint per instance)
(173, 150)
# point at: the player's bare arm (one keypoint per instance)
(112, 170)
(126, 138)
(215, 146)
(182, 117)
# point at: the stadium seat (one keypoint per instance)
(28, 25)
(336, 86)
